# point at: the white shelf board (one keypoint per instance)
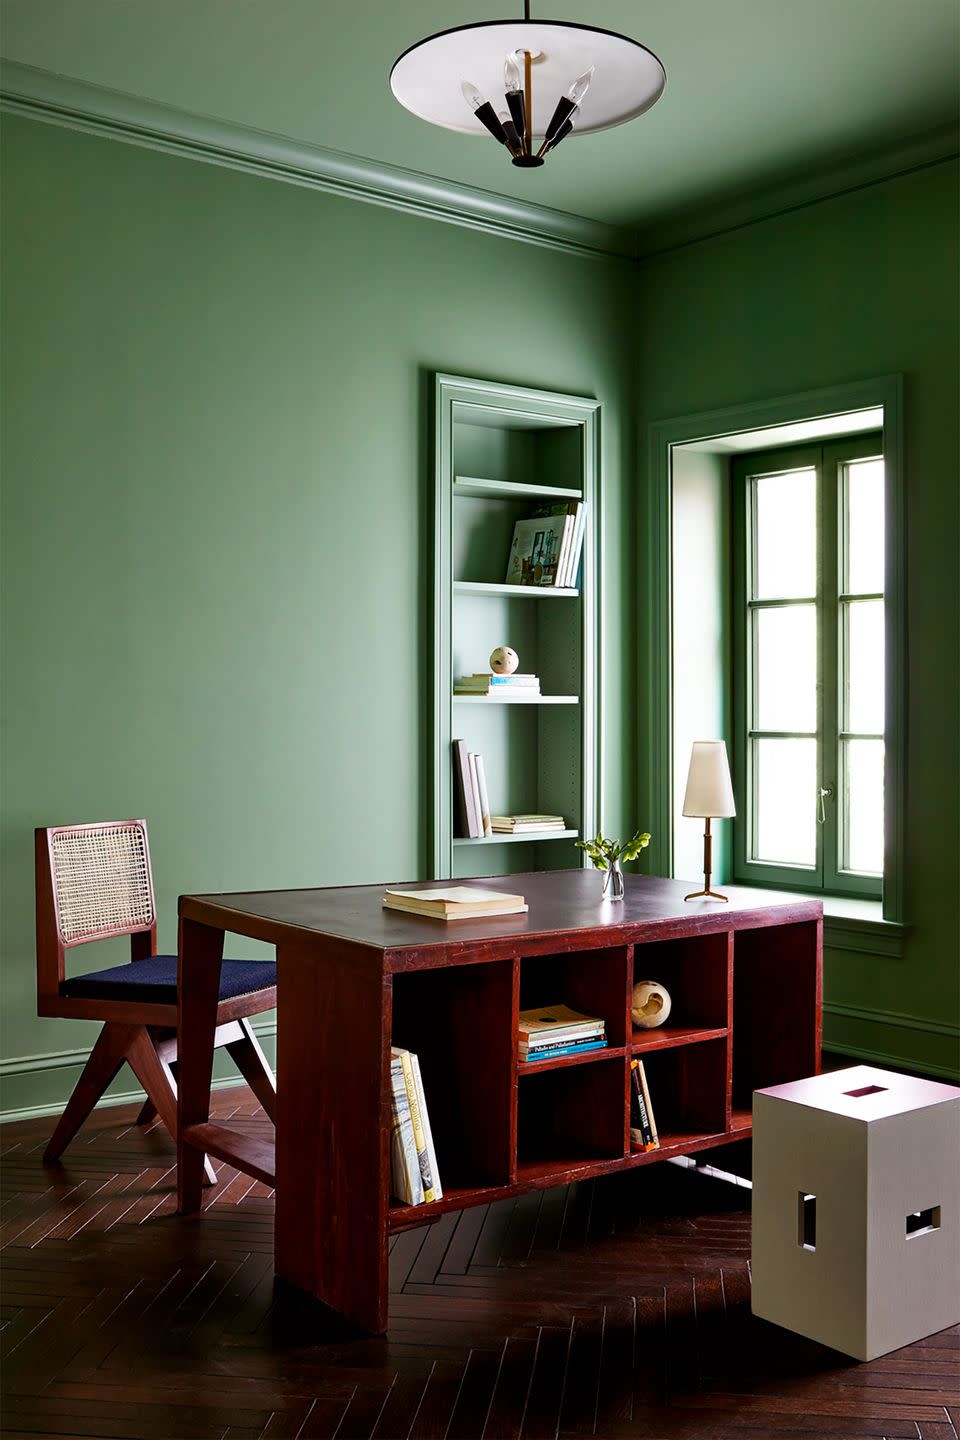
(475, 489)
(502, 839)
(537, 592)
(534, 700)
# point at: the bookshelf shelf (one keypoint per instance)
(529, 836)
(513, 592)
(472, 488)
(668, 1036)
(489, 700)
(612, 1052)
(502, 451)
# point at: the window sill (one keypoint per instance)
(859, 925)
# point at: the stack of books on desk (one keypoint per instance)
(552, 1031)
(519, 824)
(414, 1176)
(454, 902)
(501, 687)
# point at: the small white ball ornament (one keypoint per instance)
(650, 1004)
(503, 660)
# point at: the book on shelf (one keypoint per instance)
(454, 902)
(482, 793)
(466, 805)
(535, 550)
(415, 1177)
(546, 546)
(643, 1130)
(552, 1031)
(516, 824)
(502, 686)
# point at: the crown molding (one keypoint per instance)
(706, 222)
(96, 110)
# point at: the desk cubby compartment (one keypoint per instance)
(458, 1022)
(696, 973)
(688, 1091)
(593, 982)
(776, 999)
(570, 1117)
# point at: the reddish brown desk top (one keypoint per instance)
(562, 903)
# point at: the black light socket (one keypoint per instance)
(565, 108)
(514, 139)
(562, 133)
(487, 116)
(518, 110)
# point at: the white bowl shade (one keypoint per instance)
(628, 78)
(709, 791)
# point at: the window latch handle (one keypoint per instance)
(822, 794)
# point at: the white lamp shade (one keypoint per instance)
(709, 791)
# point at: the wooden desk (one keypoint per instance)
(353, 978)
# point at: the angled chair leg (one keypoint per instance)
(105, 1059)
(250, 1060)
(147, 1112)
(156, 1077)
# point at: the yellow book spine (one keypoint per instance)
(419, 1138)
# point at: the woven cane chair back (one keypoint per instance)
(102, 884)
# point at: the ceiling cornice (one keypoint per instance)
(60, 100)
(94, 109)
(707, 220)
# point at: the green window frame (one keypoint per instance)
(830, 871)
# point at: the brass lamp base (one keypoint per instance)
(706, 893)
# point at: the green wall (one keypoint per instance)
(217, 519)
(862, 285)
(217, 457)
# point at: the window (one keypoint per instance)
(809, 666)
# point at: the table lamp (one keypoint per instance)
(709, 797)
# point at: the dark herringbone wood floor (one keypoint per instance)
(620, 1308)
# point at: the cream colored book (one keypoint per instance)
(452, 899)
(461, 912)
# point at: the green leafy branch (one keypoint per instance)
(604, 853)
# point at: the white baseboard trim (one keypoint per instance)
(37, 1112)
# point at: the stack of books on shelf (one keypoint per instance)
(521, 824)
(546, 546)
(501, 687)
(413, 1161)
(552, 1031)
(454, 902)
(643, 1127)
(471, 807)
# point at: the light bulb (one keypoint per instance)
(580, 86)
(511, 73)
(471, 94)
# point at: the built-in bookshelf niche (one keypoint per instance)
(501, 451)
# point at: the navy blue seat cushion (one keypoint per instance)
(155, 980)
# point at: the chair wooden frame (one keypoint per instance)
(139, 1032)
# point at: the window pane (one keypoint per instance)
(863, 807)
(864, 527)
(785, 660)
(786, 779)
(865, 666)
(786, 535)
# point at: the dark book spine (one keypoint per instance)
(640, 1131)
(468, 822)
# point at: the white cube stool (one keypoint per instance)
(856, 1208)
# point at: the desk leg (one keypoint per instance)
(333, 1126)
(200, 953)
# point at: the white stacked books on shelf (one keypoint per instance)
(546, 546)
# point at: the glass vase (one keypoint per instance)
(613, 882)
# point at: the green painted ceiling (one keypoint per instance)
(758, 91)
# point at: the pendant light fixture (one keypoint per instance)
(529, 83)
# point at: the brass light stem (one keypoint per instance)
(706, 893)
(528, 100)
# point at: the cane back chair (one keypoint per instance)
(94, 882)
